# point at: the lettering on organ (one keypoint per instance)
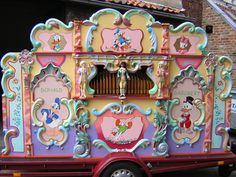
(53, 90)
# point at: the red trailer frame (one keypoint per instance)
(95, 166)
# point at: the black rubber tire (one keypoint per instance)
(233, 147)
(224, 171)
(122, 165)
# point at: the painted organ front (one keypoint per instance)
(115, 83)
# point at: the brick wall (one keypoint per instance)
(223, 39)
(193, 9)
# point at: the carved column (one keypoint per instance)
(77, 44)
(211, 63)
(26, 59)
(165, 38)
(4, 112)
(159, 145)
(82, 146)
(77, 48)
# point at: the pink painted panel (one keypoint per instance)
(52, 112)
(186, 113)
(182, 90)
(185, 62)
(56, 60)
(183, 45)
(64, 42)
(120, 130)
(122, 40)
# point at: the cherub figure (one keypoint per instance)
(162, 75)
(122, 76)
(83, 73)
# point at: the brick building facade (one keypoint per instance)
(193, 9)
(223, 39)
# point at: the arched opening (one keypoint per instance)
(106, 83)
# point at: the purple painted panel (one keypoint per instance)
(41, 150)
(186, 148)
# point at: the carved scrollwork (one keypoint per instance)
(11, 133)
(190, 72)
(72, 106)
(82, 147)
(26, 59)
(143, 143)
(119, 18)
(49, 25)
(191, 28)
(201, 107)
(54, 71)
(176, 122)
(79, 118)
(35, 107)
(225, 133)
(160, 147)
(226, 74)
(117, 108)
(8, 73)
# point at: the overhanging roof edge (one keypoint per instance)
(126, 7)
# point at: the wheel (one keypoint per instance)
(233, 147)
(122, 169)
(224, 171)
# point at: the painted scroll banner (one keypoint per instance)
(122, 40)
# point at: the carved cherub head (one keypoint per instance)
(83, 64)
(162, 65)
(123, 65)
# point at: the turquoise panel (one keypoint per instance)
(15, 107)
(219, 108)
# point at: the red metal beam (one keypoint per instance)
(47, 174)
(187, 166)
